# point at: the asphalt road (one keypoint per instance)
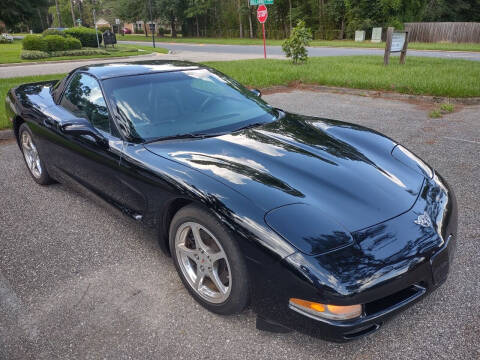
(79, 281)
(209, 52)
(276, 51)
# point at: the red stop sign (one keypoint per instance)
(262, 14)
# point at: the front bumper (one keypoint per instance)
(391, 266)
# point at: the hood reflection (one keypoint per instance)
(295, 159)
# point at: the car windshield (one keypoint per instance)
(194, 102)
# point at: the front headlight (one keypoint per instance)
(325, 311)
(411, 160)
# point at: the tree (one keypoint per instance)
(172, 11)
(295, 46)
(196, 9)
(14, 12)
(57, 8)
(73, 13)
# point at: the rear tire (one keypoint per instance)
(35, 164)
(209, 261)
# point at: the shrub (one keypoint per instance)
(139, 31)
(34, 42)
(72, 43)
(95, 51)
(103, 28)
(55, 43)
(447, 108)
(87, 36)
(54, 32)
(295, 46)
(34, 54)
(50, 43)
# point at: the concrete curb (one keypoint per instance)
(373, 93)
(7, 134)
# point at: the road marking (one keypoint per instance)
(468, 141)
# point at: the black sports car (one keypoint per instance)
(321, 226)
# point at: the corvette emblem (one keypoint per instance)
(423, 220)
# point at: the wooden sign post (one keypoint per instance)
(397, 41)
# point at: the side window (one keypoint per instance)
(83, 98)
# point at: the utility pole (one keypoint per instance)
(152, 26)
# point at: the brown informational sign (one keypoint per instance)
(109, 38)
(397, 41)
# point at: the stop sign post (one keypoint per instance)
(262, 15)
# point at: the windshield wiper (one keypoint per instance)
(249, 126)
(184, 136)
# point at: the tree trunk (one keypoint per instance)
(321, 17)
(73, 13)
(80, 10)
(290, 14)
(250, 25)
(342, 29)
(240, 19)
(145, 28)
(198, 29)
(59, 18)
(41, 19)
(174, 28)
(205, 25)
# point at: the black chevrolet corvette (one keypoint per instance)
(320, 226)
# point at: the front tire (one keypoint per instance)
(35, 164)
(208, 260)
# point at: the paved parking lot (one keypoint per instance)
(78, 281)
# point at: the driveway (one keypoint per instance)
(80, 281)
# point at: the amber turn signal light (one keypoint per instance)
(326, 311)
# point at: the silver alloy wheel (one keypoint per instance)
(31, 155)
(203, 262)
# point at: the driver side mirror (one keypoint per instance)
(256, 92)
(82, 127)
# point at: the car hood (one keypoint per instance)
(343, 170)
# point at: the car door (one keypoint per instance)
(80, 157)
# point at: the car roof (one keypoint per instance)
(111, 70)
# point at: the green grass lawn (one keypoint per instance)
(333, 43)
(10, 53)
(420, 76)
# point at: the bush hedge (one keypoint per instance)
(34, 42)
(50, 43)
(34, 54)
(54, 32)
(5, 40)
(72, 43)
(103, 28)
(87, 36)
